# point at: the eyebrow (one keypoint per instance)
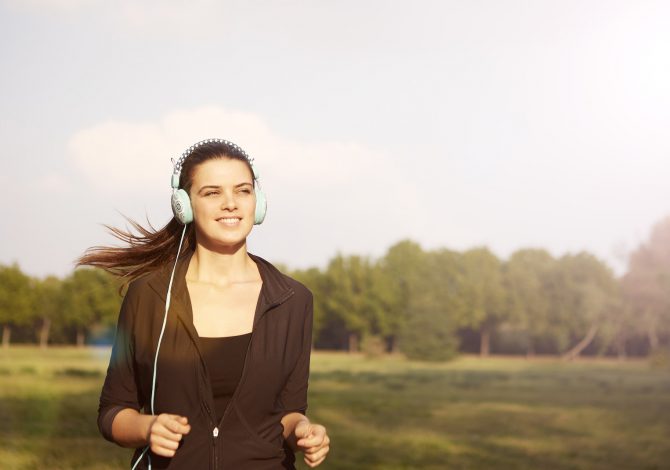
(213, 186)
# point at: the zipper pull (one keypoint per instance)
(215, 432)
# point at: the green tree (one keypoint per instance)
(526, 280)
(351, 297)
(424, 300)
(646, 285)
(429, 335)
(47, 306)
(314, 279)
(484, 295)
(89, 296)
(589, 295)
(401, 271)
(15, 300)
(436, 307)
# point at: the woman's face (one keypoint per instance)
(223, 201)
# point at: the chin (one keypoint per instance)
(217, 241)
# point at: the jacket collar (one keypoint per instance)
(274, 291)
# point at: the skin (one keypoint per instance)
(220, 273)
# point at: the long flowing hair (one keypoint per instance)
(148, 249)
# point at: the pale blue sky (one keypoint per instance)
(506, 123)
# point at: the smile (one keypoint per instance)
(230, 221)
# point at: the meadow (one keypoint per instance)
(381, 413)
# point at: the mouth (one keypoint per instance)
(229, 221)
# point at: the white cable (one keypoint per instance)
(140, 458)
(167, 306)
(160, 338)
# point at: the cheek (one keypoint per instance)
(202, 208)
(246, 203)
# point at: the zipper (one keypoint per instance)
(211, 415)
(215, 433)
(246, 357)
(194, 338)
(244, 367)
(205, 402)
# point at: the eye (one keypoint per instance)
(210, 193)
(245, 191)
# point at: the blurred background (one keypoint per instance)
(476, 193)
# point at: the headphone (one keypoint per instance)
(181, 203)
(183, 212)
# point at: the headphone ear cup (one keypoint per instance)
(181, 207)
(261, 206)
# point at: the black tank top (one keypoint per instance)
(224, 357)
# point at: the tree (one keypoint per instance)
(401, 270)
(47, 306)
(351, 297)
(526, 280)
(589, 292)
(15, 300)
(423, 293)
(484, 295)
(436, 306)
(646, 285)
(618, 329)
(429, 335)
(89, 296)
(314, 279)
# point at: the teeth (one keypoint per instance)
(229, 220)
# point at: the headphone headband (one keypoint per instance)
(180, 161)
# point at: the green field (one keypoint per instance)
(502, 413)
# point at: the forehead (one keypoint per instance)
(221, 171)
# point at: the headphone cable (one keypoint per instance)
(158, 347)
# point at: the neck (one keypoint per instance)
(222, 268)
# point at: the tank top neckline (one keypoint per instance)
(221, 338)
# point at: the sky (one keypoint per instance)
(457, 124)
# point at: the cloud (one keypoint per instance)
(341, 193)
(114, 154)
(133, 155)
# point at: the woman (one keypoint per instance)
(213, 344)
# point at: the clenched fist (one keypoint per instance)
(165, 432)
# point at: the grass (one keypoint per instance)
(385, 413)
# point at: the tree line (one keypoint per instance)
(427, 304)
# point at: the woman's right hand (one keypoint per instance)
(165, 432)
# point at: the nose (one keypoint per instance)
(228, 202)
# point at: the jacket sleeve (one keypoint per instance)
(294, 394)
(120, 389)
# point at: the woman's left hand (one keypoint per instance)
(313, 441)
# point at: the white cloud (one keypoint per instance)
(343, 195)
(115, 155)
(132, 155)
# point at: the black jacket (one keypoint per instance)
(273, 383)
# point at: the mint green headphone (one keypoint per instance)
(181, 203)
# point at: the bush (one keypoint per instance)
(373, 346)
(429, 336)
(660, 359)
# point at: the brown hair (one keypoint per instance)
(150, 249)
